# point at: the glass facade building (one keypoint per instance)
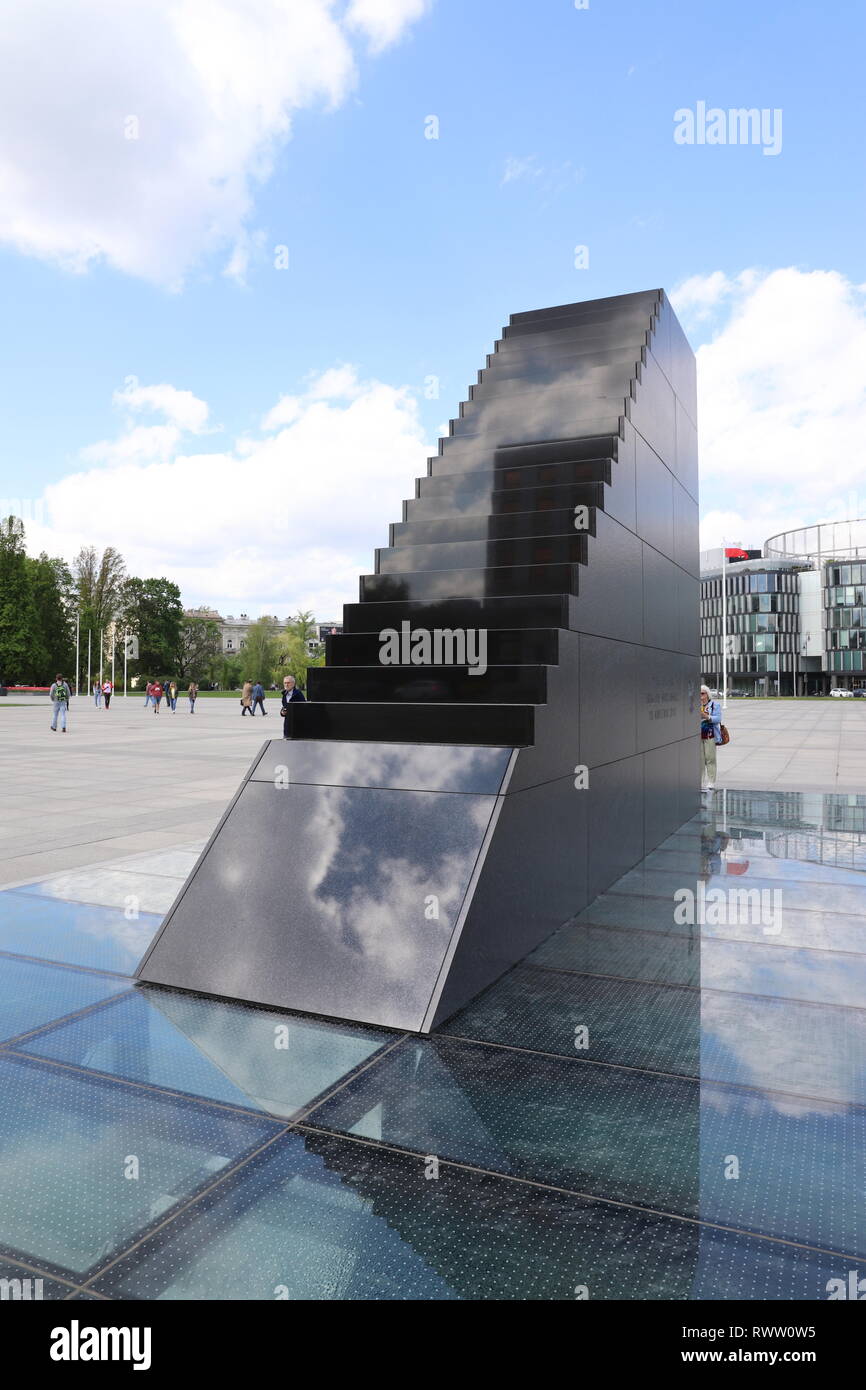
(844, 590)
(796, 619)
(762, 629)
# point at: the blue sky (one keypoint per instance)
(406, 255)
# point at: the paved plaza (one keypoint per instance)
(795, 745)
(126, 781)
(120, 782)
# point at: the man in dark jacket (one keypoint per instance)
(290, 693)
(258, 698)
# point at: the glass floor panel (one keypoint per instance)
(819, 930)
(747, 967)
(717, 1036)
(87, 1164)
(653, 1140)
(18, 1283)
(33, 994)
(109, 887)
(648, 1107)
(101, 938)
(318, 1217)
(213, 1049)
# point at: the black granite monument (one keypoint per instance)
(508, 721)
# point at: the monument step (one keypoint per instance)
(509, 369)
(571, 410)
(483, 501)
(505, 646)
(633, 320)
(600, 334)
(507, 611)
(560, 521)
(564, 450)
(519, 425)
(478, 583)
(417, 684)
(518, 551)
(589, 378)
(490, 725)
(648, 299)
(509, 477)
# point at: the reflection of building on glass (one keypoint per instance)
(796, 614)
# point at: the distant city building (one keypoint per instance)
(233, 630)
(796, 612)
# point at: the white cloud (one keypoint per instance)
(550, 180)
(335, 384)
(137, 134)
(273, 522)
(383, 21)
(696, 297)
(181, 407)
(781, 399)
(520, 168)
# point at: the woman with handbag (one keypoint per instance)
(247, 698)
(713, 732)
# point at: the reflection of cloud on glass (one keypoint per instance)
(778, 1051)
(428, 767)
(380, 916)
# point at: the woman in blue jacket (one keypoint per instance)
(711, 737)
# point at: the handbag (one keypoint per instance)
(726, 737)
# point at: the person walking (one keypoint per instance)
(290, 694)
(192, 696)
(59, 695)
(711, 737)
(172, 696)
(97, 691)
(156, 695)
(147, 693)
(259, 698)
(247, 698)
(107, 692)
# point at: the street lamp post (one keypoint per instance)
(724, 628)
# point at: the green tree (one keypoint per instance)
(198, 649)
(304, 626)
(152, 610)
(22, 655)
(260, 649)
(226, 671)
(294, 654)
(99, 582)
(53, 592)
